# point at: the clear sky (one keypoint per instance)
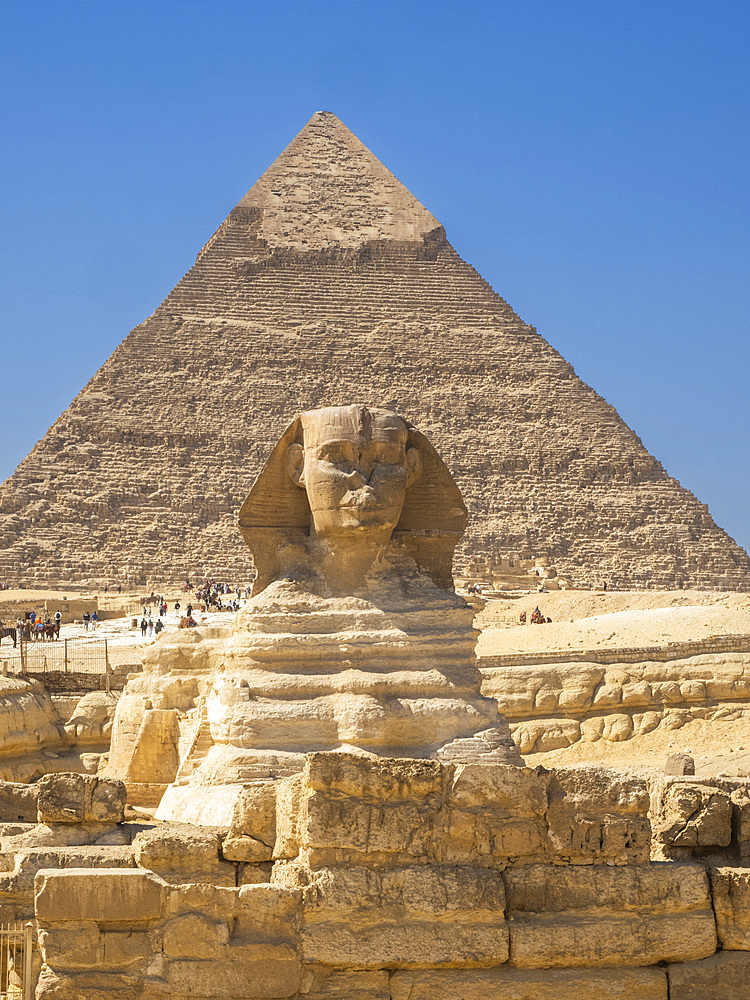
(590, 159)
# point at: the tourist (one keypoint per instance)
(150, 627)
(86, 620)
(159, 626)
(144, 626)
(58, 623)
(177, 607)
(95, 619)
(189, 610)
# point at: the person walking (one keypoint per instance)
(144, 626)
(86, 620)
(150, 627)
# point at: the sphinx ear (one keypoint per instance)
(295, 464)
(413, 465)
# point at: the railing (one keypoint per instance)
(16, 952)
(67, 656)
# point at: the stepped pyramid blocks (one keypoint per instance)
(329, 282)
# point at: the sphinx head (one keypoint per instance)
(355, 467)
(342, 483)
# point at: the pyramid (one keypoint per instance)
(330, 283)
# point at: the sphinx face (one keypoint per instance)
(356, 469)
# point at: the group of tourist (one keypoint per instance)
(34, 627)
(537, 618)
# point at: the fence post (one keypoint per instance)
(65, 653)
(106, 666)
(28, 944)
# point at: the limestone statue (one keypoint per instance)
(342, 484)
(354, 638)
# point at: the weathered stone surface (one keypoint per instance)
(252, 835)
(691, 814)
(495, 813)
(679, 763)
(80, 798)
(18, 802)
(596, 814)
(731, 895)
(603, 916)
(355, 917)
(181, 853)
(723, 976)
(91, 719)
(326, 265)
(528, 984)
(118, 895)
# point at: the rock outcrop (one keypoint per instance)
(329, 281)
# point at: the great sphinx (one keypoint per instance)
(354, 638)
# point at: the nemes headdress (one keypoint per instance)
(275, 518)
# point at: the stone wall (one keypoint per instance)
(332, 284)
(396, 880)
(552, 700)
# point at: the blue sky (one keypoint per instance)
(589, 159)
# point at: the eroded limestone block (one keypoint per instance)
(530, 984)
(495, 813)
(596, 815)
(731, 895)
(691, 814)
(357, 917)
(604, 916)
(116, 895)
(181, 853)
(373, 811)
(345, 984)
(723, 976)
(679, 764)
(18, 802)
(252, 834)
(80, 798)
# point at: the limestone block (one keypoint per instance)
(256, 978)
(126, 949)
(194, 935)
(372, 811)
(604, 916)
(252, 834)
(345, 984)
(679, 764)
(530, 984)
(18, 802)
(645, 722)
(617, 727)
(71, 947)
(356, 917)
(80, 798)
(495, 813)
(596, 815)
(607, 694)
(88, 985)
(740, 799)
(723, 976)
(691, 814)
(540, 735)
(731, 894)
(118, 895)
(182, 853)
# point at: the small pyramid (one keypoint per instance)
(329, 282)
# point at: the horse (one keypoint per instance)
(10, 632)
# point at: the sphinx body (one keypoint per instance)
(354, 638)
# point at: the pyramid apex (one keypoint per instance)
(327, 189)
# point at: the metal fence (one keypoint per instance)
(16, 952)
(66, 656)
